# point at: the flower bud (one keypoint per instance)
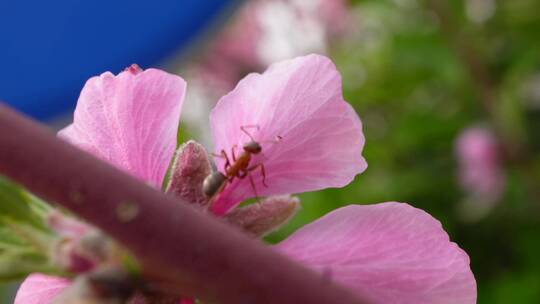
(81, 248)
(191, 166)
(259, 219)
(66, 255)
(106, 286)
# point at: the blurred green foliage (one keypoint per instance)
(408, 71)
(24, 237)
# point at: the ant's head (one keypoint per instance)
(252, 147)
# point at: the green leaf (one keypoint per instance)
(19, 206)
(25, 239)
(17, 265)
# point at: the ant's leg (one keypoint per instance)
(254, 188)
(232, 153)
(263, 172)
(223, 154)
(216, 155)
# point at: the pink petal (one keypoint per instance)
(301, 101)
(130, 120)
(40, 289)
(389, 252)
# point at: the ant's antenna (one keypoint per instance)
(277, 139)
(243, 128)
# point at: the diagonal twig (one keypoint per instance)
(197, 254)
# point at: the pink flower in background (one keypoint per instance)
(389, 252)
(231, 54)
(480, 173)
(336, 17)
(290, 28)
(266, 31)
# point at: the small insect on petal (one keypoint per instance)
(236, 167)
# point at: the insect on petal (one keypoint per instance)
(389, 252)
(130, 120)
(40, 289)
(299, 101)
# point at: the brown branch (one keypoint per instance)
(198, 255)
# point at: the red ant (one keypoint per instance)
(239, 167)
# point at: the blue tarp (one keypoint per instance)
(48, 49)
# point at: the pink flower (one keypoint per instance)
(311, 139)
(480, 172)
(129, 120)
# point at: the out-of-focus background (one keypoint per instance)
(448, 91)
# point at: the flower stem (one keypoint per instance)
(194, 254)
